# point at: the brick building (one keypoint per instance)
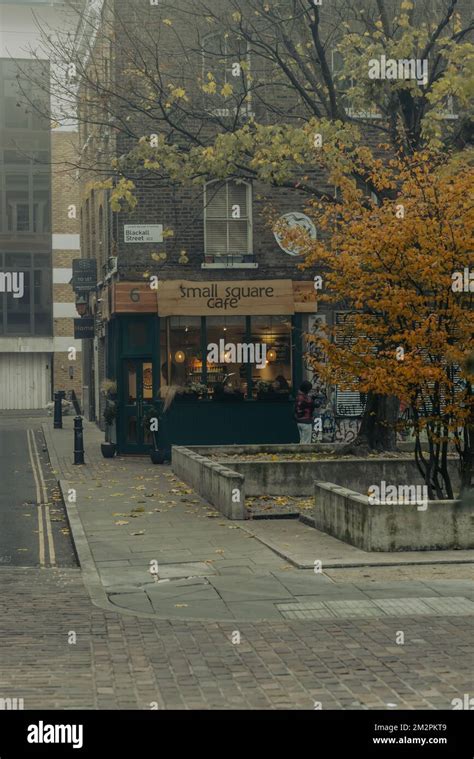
(221, 272)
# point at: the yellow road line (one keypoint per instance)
(49, 530)
(38, 500)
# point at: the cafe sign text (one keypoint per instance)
(248, 297)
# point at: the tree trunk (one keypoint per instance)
(378, 426)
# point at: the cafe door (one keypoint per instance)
(137, 399)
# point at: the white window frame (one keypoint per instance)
(229, 256)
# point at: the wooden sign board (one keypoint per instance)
(133, 298)
(305, 297)
(241, 297)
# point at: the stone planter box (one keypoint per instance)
(216, 483)
(347, 515)
(296, 477)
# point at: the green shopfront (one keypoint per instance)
(213, 378)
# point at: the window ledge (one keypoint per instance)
(229, 265)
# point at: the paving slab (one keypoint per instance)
(303, 545)
(137, 601)
(254, 610)
(254, 588)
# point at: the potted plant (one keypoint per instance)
(191, 391)
(109, 388)
(151, 421)
(199, 389)
(109, 448)
(227, 393)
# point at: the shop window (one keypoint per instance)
(275, 333)
(228, 221)
(223, 338)
(182, 363)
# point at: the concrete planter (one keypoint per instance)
(349, 516)
(216, 483)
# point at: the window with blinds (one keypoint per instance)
(227, 220)
(347, 402)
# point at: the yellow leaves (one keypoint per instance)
(227, 90)
(210, 88)
(122, 197)
(178, 93)
(167, 22)
(237, 17)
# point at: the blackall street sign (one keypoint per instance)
(143, 233)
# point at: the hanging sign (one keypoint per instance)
(84, 328)
(84, 274)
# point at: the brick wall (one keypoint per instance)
(65, 195)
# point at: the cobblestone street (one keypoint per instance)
(124, 662)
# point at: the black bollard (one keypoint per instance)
(78, 441)
(58, 411)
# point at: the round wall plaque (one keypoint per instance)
(292, 220)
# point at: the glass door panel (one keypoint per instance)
(137, 396)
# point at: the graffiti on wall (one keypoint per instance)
(346, 430)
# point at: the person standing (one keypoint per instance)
(304, 410)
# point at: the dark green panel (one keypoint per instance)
(226, 423)
(137, 335)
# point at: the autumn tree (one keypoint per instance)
(401, 271)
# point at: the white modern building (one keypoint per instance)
(39, 232)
